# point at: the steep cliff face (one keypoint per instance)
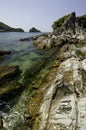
(71, 25)
(67, 29)
(65, 24)
(60, 102)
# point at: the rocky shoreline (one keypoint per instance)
(59, 103)
(9, 86)
(58, 100)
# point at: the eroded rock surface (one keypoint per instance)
(62, 105)
(69, 28)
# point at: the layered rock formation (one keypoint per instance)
(60, 102)
(67, 29)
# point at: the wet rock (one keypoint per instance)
(26, 39)
(3, 53)
(34, 37)
(9, 81)
(1, 124)
(8, 73)
(43, 43)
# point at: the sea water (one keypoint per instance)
(25, 55)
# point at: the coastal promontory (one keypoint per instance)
(60, 102)
(5, 28)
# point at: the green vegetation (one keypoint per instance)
(33, 29)
(82, 21)
(59, 22)
(6, 28)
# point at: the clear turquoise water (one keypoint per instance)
(26, 55)
(23, 53)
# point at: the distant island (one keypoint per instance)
(33, 29)
(6, 28)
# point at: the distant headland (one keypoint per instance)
(5, 28)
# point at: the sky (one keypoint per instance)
(38, 13)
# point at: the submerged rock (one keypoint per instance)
(9, 80)
(3, 53)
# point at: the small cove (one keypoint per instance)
(29, 59)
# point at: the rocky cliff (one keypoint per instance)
(60, 102)
(66, 29)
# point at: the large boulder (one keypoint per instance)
(43, 43)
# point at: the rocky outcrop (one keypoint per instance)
(61, 105)
(33, 38)
(71, 25)
(67, 29)
(65, 24)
